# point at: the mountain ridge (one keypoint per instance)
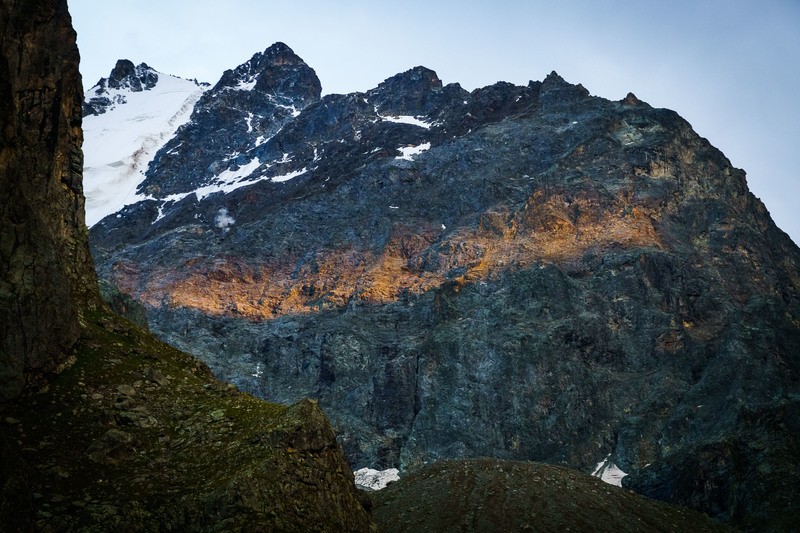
(524, 272)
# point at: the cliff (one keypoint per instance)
(46, 272)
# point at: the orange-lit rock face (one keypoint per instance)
(555, 228)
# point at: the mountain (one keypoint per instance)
(521, 272)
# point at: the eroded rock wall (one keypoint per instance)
(46, 274)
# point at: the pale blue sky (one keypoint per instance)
(730, 67)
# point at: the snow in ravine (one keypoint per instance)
(223, 220)
(607, 471)
(376, 479)
(120, 144)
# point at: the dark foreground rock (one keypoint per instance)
(45, 267)
(490, 495)
(134, 435)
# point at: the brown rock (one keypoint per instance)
(46, 273)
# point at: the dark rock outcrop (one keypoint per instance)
(124, 76)
(236, 117)
(45, 266)
(524, 272)
(136, 436)
(496, 496)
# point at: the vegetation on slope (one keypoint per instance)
(490, 495)
(133, 434)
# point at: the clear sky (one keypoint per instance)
(730, 67)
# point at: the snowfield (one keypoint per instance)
(119, 144)
(376, 479)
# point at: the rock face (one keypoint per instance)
(45, 266)
(236, 116)
(124, 76)
(524, 272)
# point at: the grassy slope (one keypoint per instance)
(135, 434)
(491, 495)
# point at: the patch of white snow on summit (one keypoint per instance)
(376, 479)
(120, 143)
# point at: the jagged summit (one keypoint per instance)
(557, 93)
(140, 109)
(125, 80)
(277, 71)
(415, 79)
(631, 99)
(407, 92)
(126, 76)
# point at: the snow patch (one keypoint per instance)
(229, 180)
(376, 479)
(607, 471)
(408, 152)
(406, 119)
(246, 85)
(223, 220)
(290, 175)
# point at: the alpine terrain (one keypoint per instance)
(517, 272)
(103, 427)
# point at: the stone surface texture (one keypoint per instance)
(45, 266)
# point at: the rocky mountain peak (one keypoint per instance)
(631, 99)
(136, 78)
(277, 71)
(280, 53)
(525, 272)
(124, 78)
(556, 91)
(406, 93)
